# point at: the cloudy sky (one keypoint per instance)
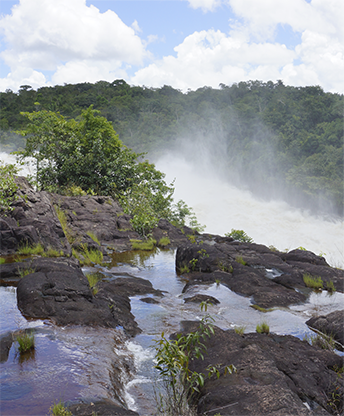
(182, 43)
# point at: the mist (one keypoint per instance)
(221, 206)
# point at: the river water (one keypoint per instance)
(75, 363)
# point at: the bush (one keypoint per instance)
(239, 235)
(8, 187)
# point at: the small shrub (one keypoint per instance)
(192, 238)
(240, 260)
(94, 237)
(8, 187)
(193, 263)
(263, 328)
(25, 340)
(2, 260)
(30, 250)
(240, 330)
(313, 282)
(239, 235)
(143, 244)
(59, 409)
(164, 241)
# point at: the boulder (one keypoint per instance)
(174, 234)
(103, 407)
(202, 298)
(32, 221)
(275, 375)
(6, 341)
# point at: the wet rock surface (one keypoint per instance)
(102, 407)
(331, 324)
(268, 276)
(275, 375)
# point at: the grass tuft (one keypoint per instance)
(260, 309)
(94, 237)
(26, 341)
(164, 241)
(2, 260)
(313, 282)
(263, 328)
(93, 279)
(59, 409)
(30, 250)
(240, 330)
(330, 287)
(143, 245)
(240, 260)
(323, 341)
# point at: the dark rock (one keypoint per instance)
(32, 221)
(202, 298)
(103, 407)
(99, 215)
(244, 268)
(331, 324)
(58, 290)
(6, 341)
(149, 300)
(275, 375)
(175, 235)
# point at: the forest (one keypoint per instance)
(276, 140)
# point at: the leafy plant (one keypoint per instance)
(59, 409)
(8, 187)
(225, 268)
(263, 328)
(184, 269)
(239, 235)
(25, 340)
(193, 263)
(313, 282)
(2, 260)
(173, 364)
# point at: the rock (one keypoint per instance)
(202, 298)
(103, 407)
(98, 215)
(32, 221)
(174, 234)
(6, 341)
(331, 324)
(276, 375)
(246, 269)
(59, 291)
(149, 300)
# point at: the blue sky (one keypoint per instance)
(182, 43)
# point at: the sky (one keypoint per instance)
(186, 44)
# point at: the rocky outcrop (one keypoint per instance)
(98, 215)
(268, 276)
(275, 375)
(174, 234)
(331, 324)
(103, 407)
(32, 221)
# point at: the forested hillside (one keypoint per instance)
(275, 139)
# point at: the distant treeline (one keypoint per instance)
(274, 139)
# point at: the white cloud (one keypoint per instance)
(205, 5)
(44, 33)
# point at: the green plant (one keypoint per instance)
(25, 271)
(29, 250)
(173, 364)
(93, 279)
(62, 217)
(94, 237)
(240, 260)
(301, 248)
(164, 241)
(313, 282)
(52, 253)
(263, 328)
(193, 263)
(8, 187)
(239, 235)
(59, 409)
(323, 341)
(192, 238)
(184, 269)
(2, 260)
(335, 400)
(145, 245)
(240, 330)
(330, 287)
(225, 268)
(25, 340)
(91, 256)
